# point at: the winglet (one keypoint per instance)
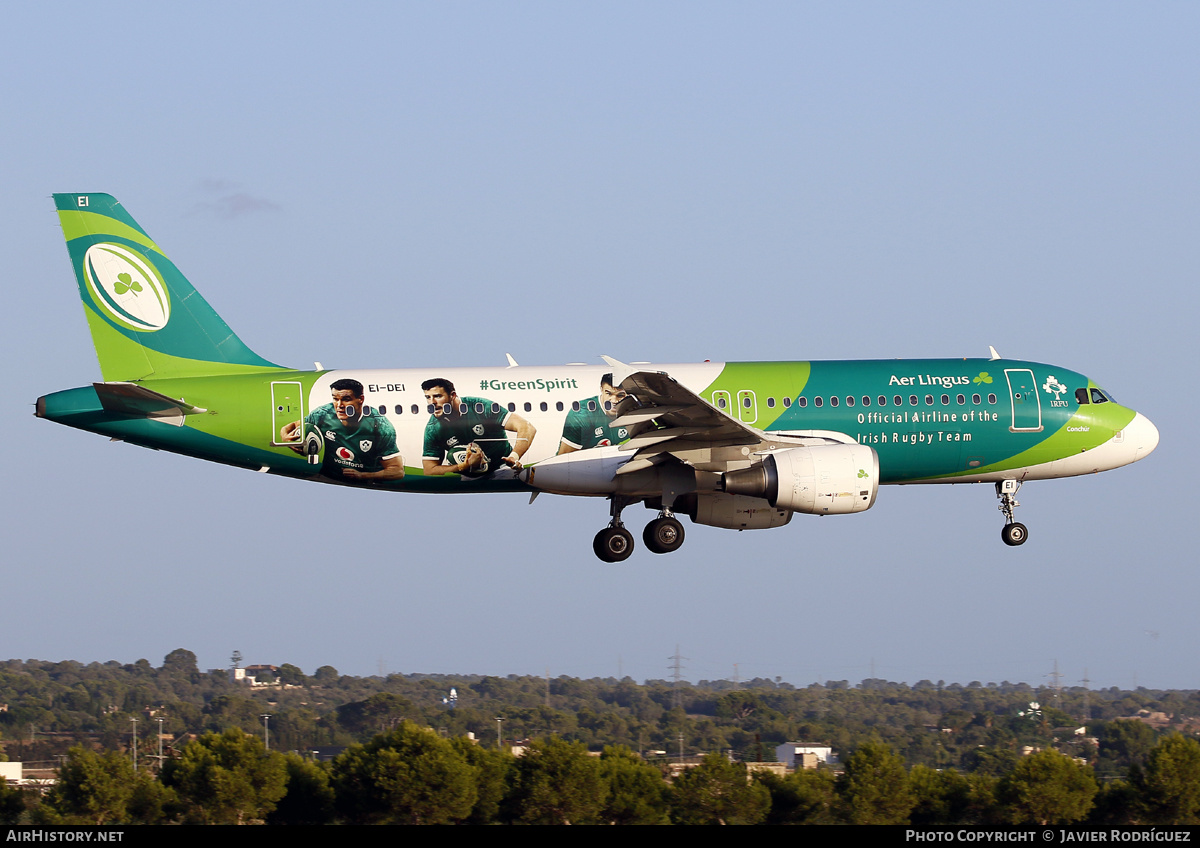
(995, 355)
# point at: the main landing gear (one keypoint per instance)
(1013, 533)
(614, 543)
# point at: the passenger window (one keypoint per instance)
(608, 406)
(1081, 396)
(559, 406)
(575, 405)
(945, 400)
(415, 410)
(770, 403)
(495, 407)
(528, 406)
(912, 400)
(512, 407)
(447, 409)
(429, 409)
(544, 407)
(961, 400)
(833, 401)
(975, 399)
(746, 402)
(882, 400)
(462, 409)
(818, 401)
(591, 406)
(802, 401)
(849, 400)
(866, 400)
(479, 409)
(929, 400)
(992, 399)
(787, 402)
(899, 401)
(720, 403)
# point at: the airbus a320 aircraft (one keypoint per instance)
(741, 445)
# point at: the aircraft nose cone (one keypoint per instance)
(1142, 436)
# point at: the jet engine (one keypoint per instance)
(820, 480)
(734, 512)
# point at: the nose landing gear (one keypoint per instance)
(1014, 532)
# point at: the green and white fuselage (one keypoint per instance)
(177, 378)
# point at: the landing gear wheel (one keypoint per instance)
(1014, 534)
(663, 535)
(613, 544)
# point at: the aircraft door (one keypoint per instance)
(1026, 403)
(747, 407)
(287, 407)
(720, 399)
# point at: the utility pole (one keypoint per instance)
(134, 720)
(677, 673)
(266, 717)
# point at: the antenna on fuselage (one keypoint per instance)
(994, 355)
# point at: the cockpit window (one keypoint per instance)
(1098, 396)
(1081, 395)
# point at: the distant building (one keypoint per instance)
(804, 754)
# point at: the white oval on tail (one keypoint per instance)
(127, 287)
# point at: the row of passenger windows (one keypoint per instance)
(882, 400)
(747, 402)
(493, 407)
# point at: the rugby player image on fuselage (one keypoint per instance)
(588, 422)
(360, 446)
(469, 435)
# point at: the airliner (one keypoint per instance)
(738, 445)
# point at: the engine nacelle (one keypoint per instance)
(821, 480)
(736, 512)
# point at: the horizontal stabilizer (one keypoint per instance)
(132, 399)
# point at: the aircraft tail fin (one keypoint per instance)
(147, 320)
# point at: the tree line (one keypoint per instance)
(956, 753)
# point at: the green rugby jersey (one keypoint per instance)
(447, 437)
(586, 428)
(362, 448)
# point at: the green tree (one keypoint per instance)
(557, 782)
(718, 792)
(806, 796)
(637, 793)
(291, 675)
(874, 788)
(181, 661)
(1170, 784)
(1047, 788)
(408, 776)
(93, 788)
(226, 779)
(309, 798)
(494, 771)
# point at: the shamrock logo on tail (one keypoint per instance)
(862, 473)
(126, 283)
(984, 377)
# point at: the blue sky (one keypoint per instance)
(668, 182)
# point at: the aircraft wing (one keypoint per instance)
(666, 420)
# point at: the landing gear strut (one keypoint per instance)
(614, 543)
(1013, 533)
(664, 534)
